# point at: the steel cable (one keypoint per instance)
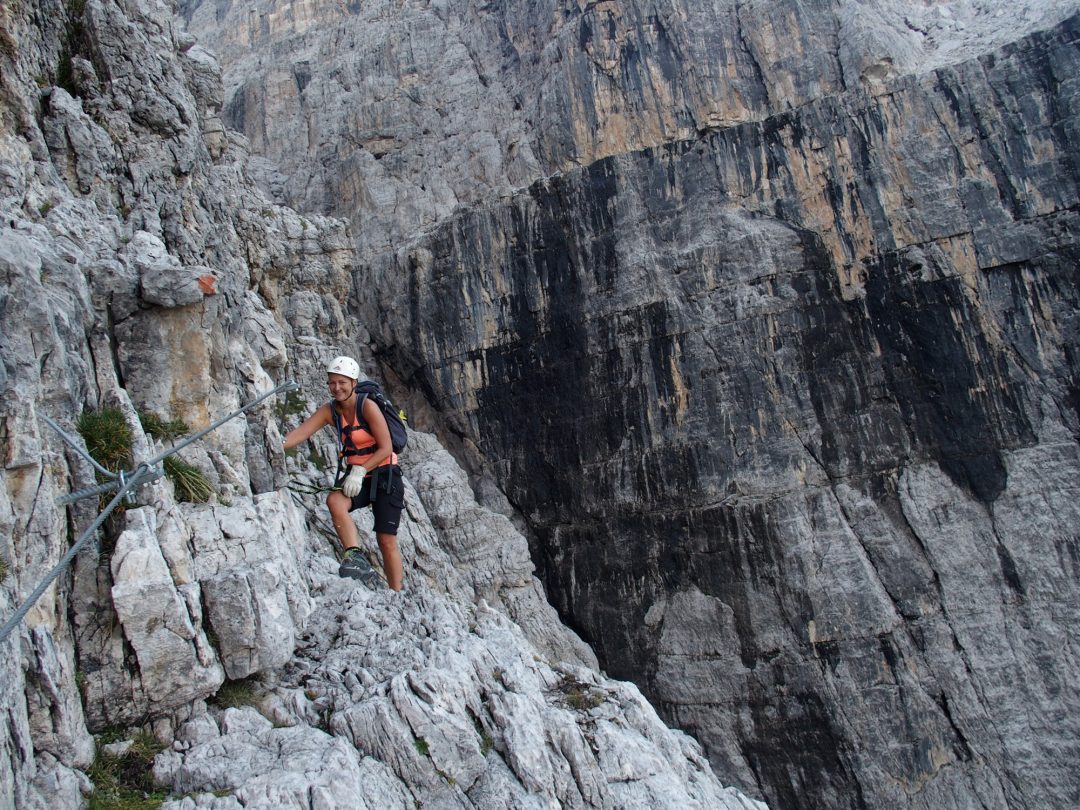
(24, 608)
(126, 482)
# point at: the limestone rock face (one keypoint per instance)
(398, 114)
(763, 319)
(470, 717)
(141, 270)
(788, 381)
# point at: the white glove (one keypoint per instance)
(353, 481)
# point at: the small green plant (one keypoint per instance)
(580, 695)
(160, 428)
(422, 747)
(108, 437)
(293, 403)
(3, 569)
(584, 700)
(190, 483)
(486, 742)
(449, 779)
(45, 208)
(234, 694)
(126, 782)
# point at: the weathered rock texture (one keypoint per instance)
(141, 269)
(765, 320)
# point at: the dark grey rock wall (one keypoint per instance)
(140, 269)
(763, 315)
(791, 408)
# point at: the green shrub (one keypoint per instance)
(422, 747)
(126, 782)
(160, 428)
(234, 694)
(190, 483)
(3, 569)
(108, 437)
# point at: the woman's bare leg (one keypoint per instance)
(339, 505)
(391, 560)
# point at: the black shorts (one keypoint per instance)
(387, 506)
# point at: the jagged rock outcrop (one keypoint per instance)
(763, 320)
(144, 272)
(417, 694)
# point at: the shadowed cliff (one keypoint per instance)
(763, 321)
(198, 648)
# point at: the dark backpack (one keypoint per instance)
(395, 419)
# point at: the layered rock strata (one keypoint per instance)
(398, 114)
(779, 403)
(144, 272)
(782, 378)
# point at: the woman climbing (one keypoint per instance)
(374, 478)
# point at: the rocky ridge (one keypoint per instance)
(398, 115)
(142, 270)
(808, 272)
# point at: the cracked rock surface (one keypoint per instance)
(761, 317)
(143, 273)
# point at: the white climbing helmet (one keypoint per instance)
(345, 366)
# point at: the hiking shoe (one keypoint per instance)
(355, 566)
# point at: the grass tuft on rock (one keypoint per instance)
(160, 428)
(190, 483)
(236, 694)
(108, 437)
(581, 696)
(126, 782)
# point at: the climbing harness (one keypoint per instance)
(395, 423)
(125, 484)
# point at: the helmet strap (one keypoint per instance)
(347, 405)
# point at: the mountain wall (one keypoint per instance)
(204, 652)
(763, 319)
